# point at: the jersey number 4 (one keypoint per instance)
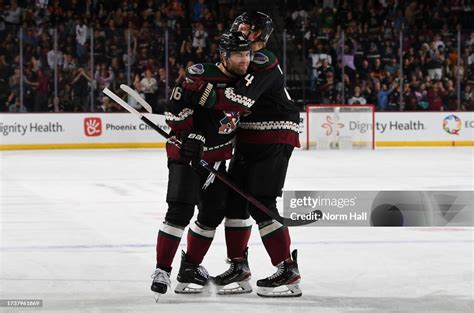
(249, 79)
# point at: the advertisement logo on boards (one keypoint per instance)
(92, 126)
(332, 125)
(452, 124)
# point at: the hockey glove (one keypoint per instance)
(192, 146)
(198, 92)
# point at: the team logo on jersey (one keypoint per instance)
(452, 124)
(92, 126)
(331, 126)
(260, 58)
(196, 69)
(228, 123)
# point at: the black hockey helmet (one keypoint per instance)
(233, 41)
(257, 21)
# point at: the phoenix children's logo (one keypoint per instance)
(92, 126)
(452, 124)
(332, 126)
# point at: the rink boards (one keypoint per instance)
(123, 130)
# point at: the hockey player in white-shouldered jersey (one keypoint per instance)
(264, 143)
(203, 134)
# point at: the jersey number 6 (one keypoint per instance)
(176, 93)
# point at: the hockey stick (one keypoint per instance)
(135, 95)
(205, 165)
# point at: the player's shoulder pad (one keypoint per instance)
(202, 70)
(264, 60)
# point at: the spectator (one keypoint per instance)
(13, 14)
(392, 67)
(16, 107)
(162, 98)
(410, 98)
(81, 37)
(199, 37)
(198, 10)
(327, 90)
(357, 98)
(69, 63)
(80, 90)
(451, 98)
(186, 52)
(470, 41)
(435, 66)
(208, 20)
(103, 76)
(323, 72)
(42, 88)
(466, 98)
(383, 96)
(377, 71)
(5, 73)
(14, 84)
(469, 103)
(175, 8)
(149, 86)
(56, 105)
(363, 71)
(56, 13)
(436, 96)
(317, 55)
(52, 56)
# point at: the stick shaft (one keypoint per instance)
(205, 165)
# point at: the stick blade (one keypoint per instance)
(135, 95)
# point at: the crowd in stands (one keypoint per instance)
(128, 39)
(129, 47)
(365, 37)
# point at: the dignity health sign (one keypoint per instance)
(411, 128)
(124, 130)
(78, 130)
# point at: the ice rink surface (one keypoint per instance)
(78, 230)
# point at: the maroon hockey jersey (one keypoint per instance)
(274, 117)
(217, 126)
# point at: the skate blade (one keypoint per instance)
(291, 291)
(156, 296)
(188, 288)
(234, 288)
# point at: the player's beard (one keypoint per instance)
(236, 69)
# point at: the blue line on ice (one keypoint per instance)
(128, 246)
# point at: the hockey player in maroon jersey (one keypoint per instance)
(204, 134)
(265, 141)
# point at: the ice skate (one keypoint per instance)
(192, 278)
(161, 282)
(236, 279)
(283, 283)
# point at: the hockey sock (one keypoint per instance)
(276, 239)
(199, 240)
(167, 243)
(237, 235)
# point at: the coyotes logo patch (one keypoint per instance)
(196, 69)
(228, 123)
(260, 58)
